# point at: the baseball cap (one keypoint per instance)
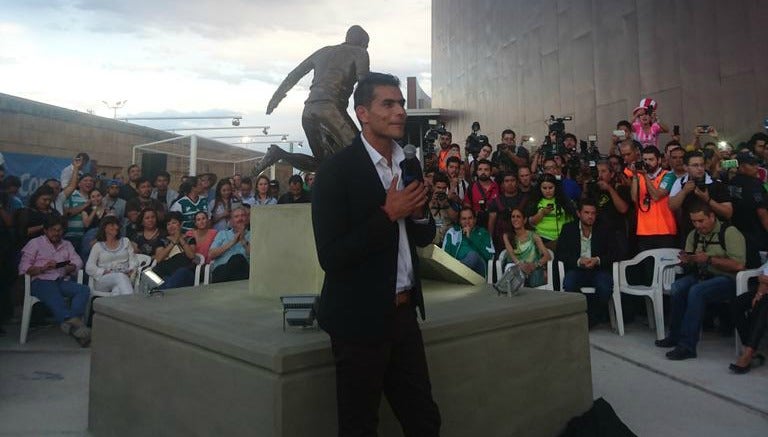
(274, 183)
(746, 158)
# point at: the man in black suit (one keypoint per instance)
(587, 251)
(366, 228)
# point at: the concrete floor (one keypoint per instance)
(44, 386)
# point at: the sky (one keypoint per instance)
(195, 57)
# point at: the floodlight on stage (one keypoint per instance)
(150, 282)
(722, 145)
(299, 309)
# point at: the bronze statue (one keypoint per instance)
(325, 120)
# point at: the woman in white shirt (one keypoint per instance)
(112, 260)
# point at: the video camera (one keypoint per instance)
(555, 125)
(475, 140)
(431, 136)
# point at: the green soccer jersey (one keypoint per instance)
(188, 209)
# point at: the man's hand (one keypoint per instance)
(274, 102)
(689, 186)
(403, 203)
(701, 194)
(466, 231)
(69, 269)
(604, 186)
(77, 164)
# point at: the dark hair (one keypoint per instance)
(164, 174)
(484, 161)
(184, 189)
(54, 220)
(670, 144)
(101, 235)
(697, 207)
(560, 198)
(453, 159)
(10, 181)
(503, 174)
(571, 136)
(218, 199)
(174, 215)
(467, 208)
(295, 179)
(142, 180)
(440, 177)
(364, 92)
(260, 177)
(508, 131)
(625, 124)
(128, 170)
(587, 202)
(42, 190)
(246, 180)
(692, 154)
(760, 136)
(52, 180)
(652, 149)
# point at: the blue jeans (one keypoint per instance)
(601, 280)
(690, 297)
(475, 262)
(52, 294)
(182, 277)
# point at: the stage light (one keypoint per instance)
(150, 282)
(236, 121)
(299, 309)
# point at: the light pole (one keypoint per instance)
(114, 107)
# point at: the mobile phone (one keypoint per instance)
(729, 164)
(676, 130)
(620, 133)
(62, 264)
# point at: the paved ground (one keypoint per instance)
(44, 386)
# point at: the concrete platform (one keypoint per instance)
(215, 361)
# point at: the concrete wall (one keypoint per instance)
(36, 128)
(512, 63)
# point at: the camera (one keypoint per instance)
(700, 183)
(431, 136)
(441, 196)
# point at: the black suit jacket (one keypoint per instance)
(569, 245)
(357, 247)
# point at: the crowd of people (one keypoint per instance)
(100, 225)
(704, 197)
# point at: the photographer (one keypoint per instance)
(612, 200)
(484, 154)
(482, 192)
(570, 186)
(624, 131)
(750, 206)
(445, 145)
(441, 207)
(457, 185)
(698, 187)
(508, 156)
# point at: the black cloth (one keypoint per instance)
(748, 195)
(504, 162)
(127, 192)
(236, 268)
(751, 323)
(304, 197)
(377, 346)
(148, 246)
(717, 190)
(600, 421)
(569, 245)
(138, 204)
(26, 218)
(503, 206)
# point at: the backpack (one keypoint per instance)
(752, 256)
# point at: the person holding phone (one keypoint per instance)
(51, 262)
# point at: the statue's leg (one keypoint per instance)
(340, 127)
(298, 160)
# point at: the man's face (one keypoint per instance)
(205, 182)
(310, 179)
(445, 141)
(85, 184)
(524, 177)
(385, 118)
(551, 167)
(441, 187)
(676, 160)
(695, 167)
(587, 215)
(161, 183)
(54, 234)
(569, 143)
(245, 189)
(615, 165)
(651, 162)
(236, 180)
(145, 189)
(748, 169)
(113, 191)
(627, 131)
(509, 184)
(467, 219)
(604, 172)
(134, 173)
(484, 172)
(508, 140)
(294, 188)
(239, 218)
(629, 153)
(200, 187)
(760, 148)
(704, 223)
(452, 169)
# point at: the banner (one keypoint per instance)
(33, 170)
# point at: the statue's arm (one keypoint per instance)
(293, 77)
(362, 65)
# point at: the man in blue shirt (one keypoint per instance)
(230, 250)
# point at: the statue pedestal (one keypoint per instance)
(215, 361)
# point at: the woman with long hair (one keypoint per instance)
(112, 260)
(262, 192)
(149, 236)
(175, 258)
(30, 220)
(203, 235)
(92, 216)
(222, 205)
(526, 249)
(549, 209)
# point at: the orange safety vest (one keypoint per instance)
(655, 218)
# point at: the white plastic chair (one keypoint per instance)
(662, 259)
(742, 286)
(29, 302)
(202, 269)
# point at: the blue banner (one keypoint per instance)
(33, 170)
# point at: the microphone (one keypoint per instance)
(411, 167)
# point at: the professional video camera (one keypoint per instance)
(555, 125)
(589, 155)
(475, 140)
(431, 136)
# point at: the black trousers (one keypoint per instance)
(397, 368)
(236, 269)
(751, 323)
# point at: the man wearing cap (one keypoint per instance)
(113, 204)
(750, 206)
(296, 192)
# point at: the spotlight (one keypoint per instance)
(299, 309)
(236, 121)
(149, 282)
(528, 139)
(722, 145)
(284, 138)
